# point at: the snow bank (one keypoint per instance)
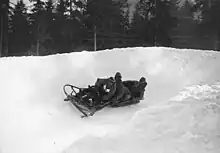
(180, 112)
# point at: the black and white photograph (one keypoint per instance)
(109, 76)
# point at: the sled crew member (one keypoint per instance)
(137, 88)
(102, 85)
(122, 93)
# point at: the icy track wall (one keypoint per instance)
(35, 119)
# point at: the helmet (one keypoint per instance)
(118, 75)
(142, 79)
(111, 79)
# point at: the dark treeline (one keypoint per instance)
(45, 27)
(48, 27)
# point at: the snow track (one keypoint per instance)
(180, 112)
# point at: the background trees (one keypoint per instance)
(19, 38)
(152, 21)
(4, 12)
(206, 13)
(46, 27)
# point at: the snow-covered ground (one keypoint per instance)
(180, 113)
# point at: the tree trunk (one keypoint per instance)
(1, 39)
(95, 38)
(38, 47)
(5, 29)
(38, 41)
(209, 3)
(71, 9)
(156, 24)
(4, 5)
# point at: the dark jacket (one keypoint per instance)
(137, 88)
(100, 83)
(121, 90)
(130, 84)
(112, 90)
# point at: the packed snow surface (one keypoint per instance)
(180, 112)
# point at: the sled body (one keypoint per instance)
(88, 101)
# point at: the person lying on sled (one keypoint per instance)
(105, 88)
(112, 89)
(101, 92)
(137, 88)
(97, 91)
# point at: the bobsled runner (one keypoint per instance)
(88, 100)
